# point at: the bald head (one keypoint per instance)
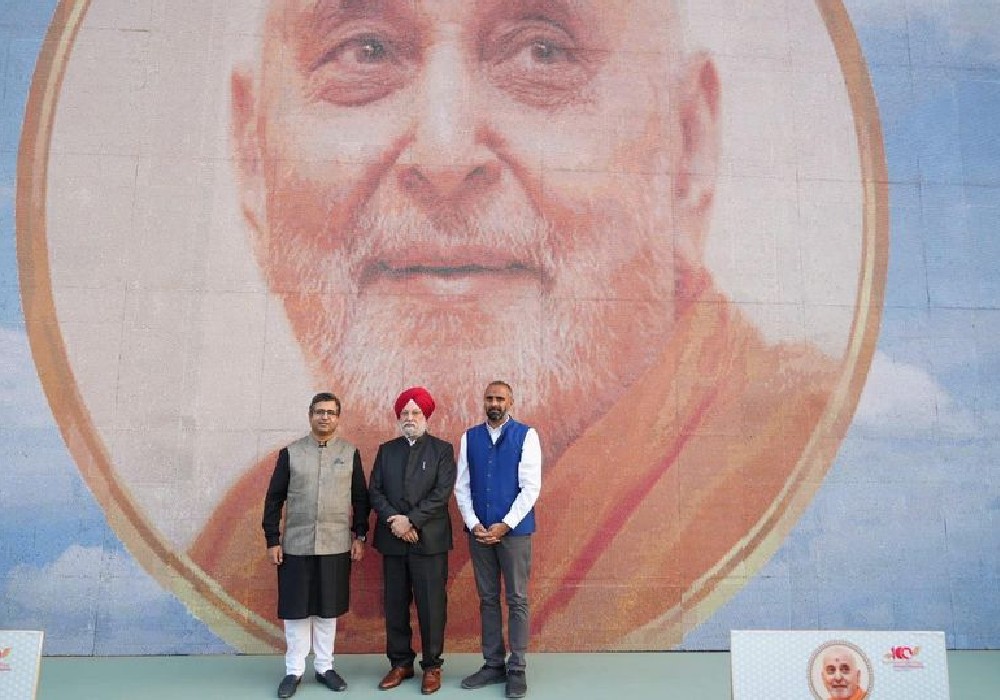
(841, 674)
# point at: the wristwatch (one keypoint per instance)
(361, 538)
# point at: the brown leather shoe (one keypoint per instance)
(395, 676)
(432, 681)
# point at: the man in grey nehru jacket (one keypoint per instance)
(321, 484)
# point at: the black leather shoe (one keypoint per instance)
(289, 684)
(332, 680)
(517, 684)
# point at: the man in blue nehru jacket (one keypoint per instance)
(499, 478)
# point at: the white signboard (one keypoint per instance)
(20, 655)
(838, 665)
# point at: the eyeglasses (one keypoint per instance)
(325, 412)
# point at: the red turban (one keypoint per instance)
(420, 396)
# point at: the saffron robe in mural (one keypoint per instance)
(671, 490)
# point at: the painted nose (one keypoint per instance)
(436, 184)
(448, 158)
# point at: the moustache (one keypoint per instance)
(400, 244)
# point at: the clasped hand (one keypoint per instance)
(490, 535)
(403, 529)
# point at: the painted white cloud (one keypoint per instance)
(901, 399)
(93, 601)
(73, 586)
(22, 403)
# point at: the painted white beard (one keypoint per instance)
(570, 350)
(559, 356)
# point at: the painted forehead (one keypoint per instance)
(338, 11)
(291, 19)
(839, 656)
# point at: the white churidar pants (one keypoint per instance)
(299, 634)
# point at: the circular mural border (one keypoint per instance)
(251, 633)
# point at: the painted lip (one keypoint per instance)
(447, 263)
(446, 271)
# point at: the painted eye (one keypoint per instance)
(362, 68)
(363, 50)
(371, 51)
(538, 64)
(548, 52)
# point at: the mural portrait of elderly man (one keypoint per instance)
(441, 192)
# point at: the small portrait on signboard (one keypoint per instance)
(839, 670)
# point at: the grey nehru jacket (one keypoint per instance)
(318, 509)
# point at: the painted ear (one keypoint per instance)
(245, 141)
(698, 117)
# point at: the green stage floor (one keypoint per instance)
(975, 675)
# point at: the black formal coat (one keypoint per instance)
(420, 492)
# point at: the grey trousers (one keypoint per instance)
(511, 558)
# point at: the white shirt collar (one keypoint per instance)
(495, 432)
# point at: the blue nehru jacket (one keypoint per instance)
(493, 473)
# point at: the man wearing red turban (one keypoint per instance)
(411, 484)
(419, 396)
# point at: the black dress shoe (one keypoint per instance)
(332, 680)
(487, 675)
(289, 684)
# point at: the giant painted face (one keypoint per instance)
(512, 181)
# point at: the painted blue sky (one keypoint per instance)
(916, 482)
